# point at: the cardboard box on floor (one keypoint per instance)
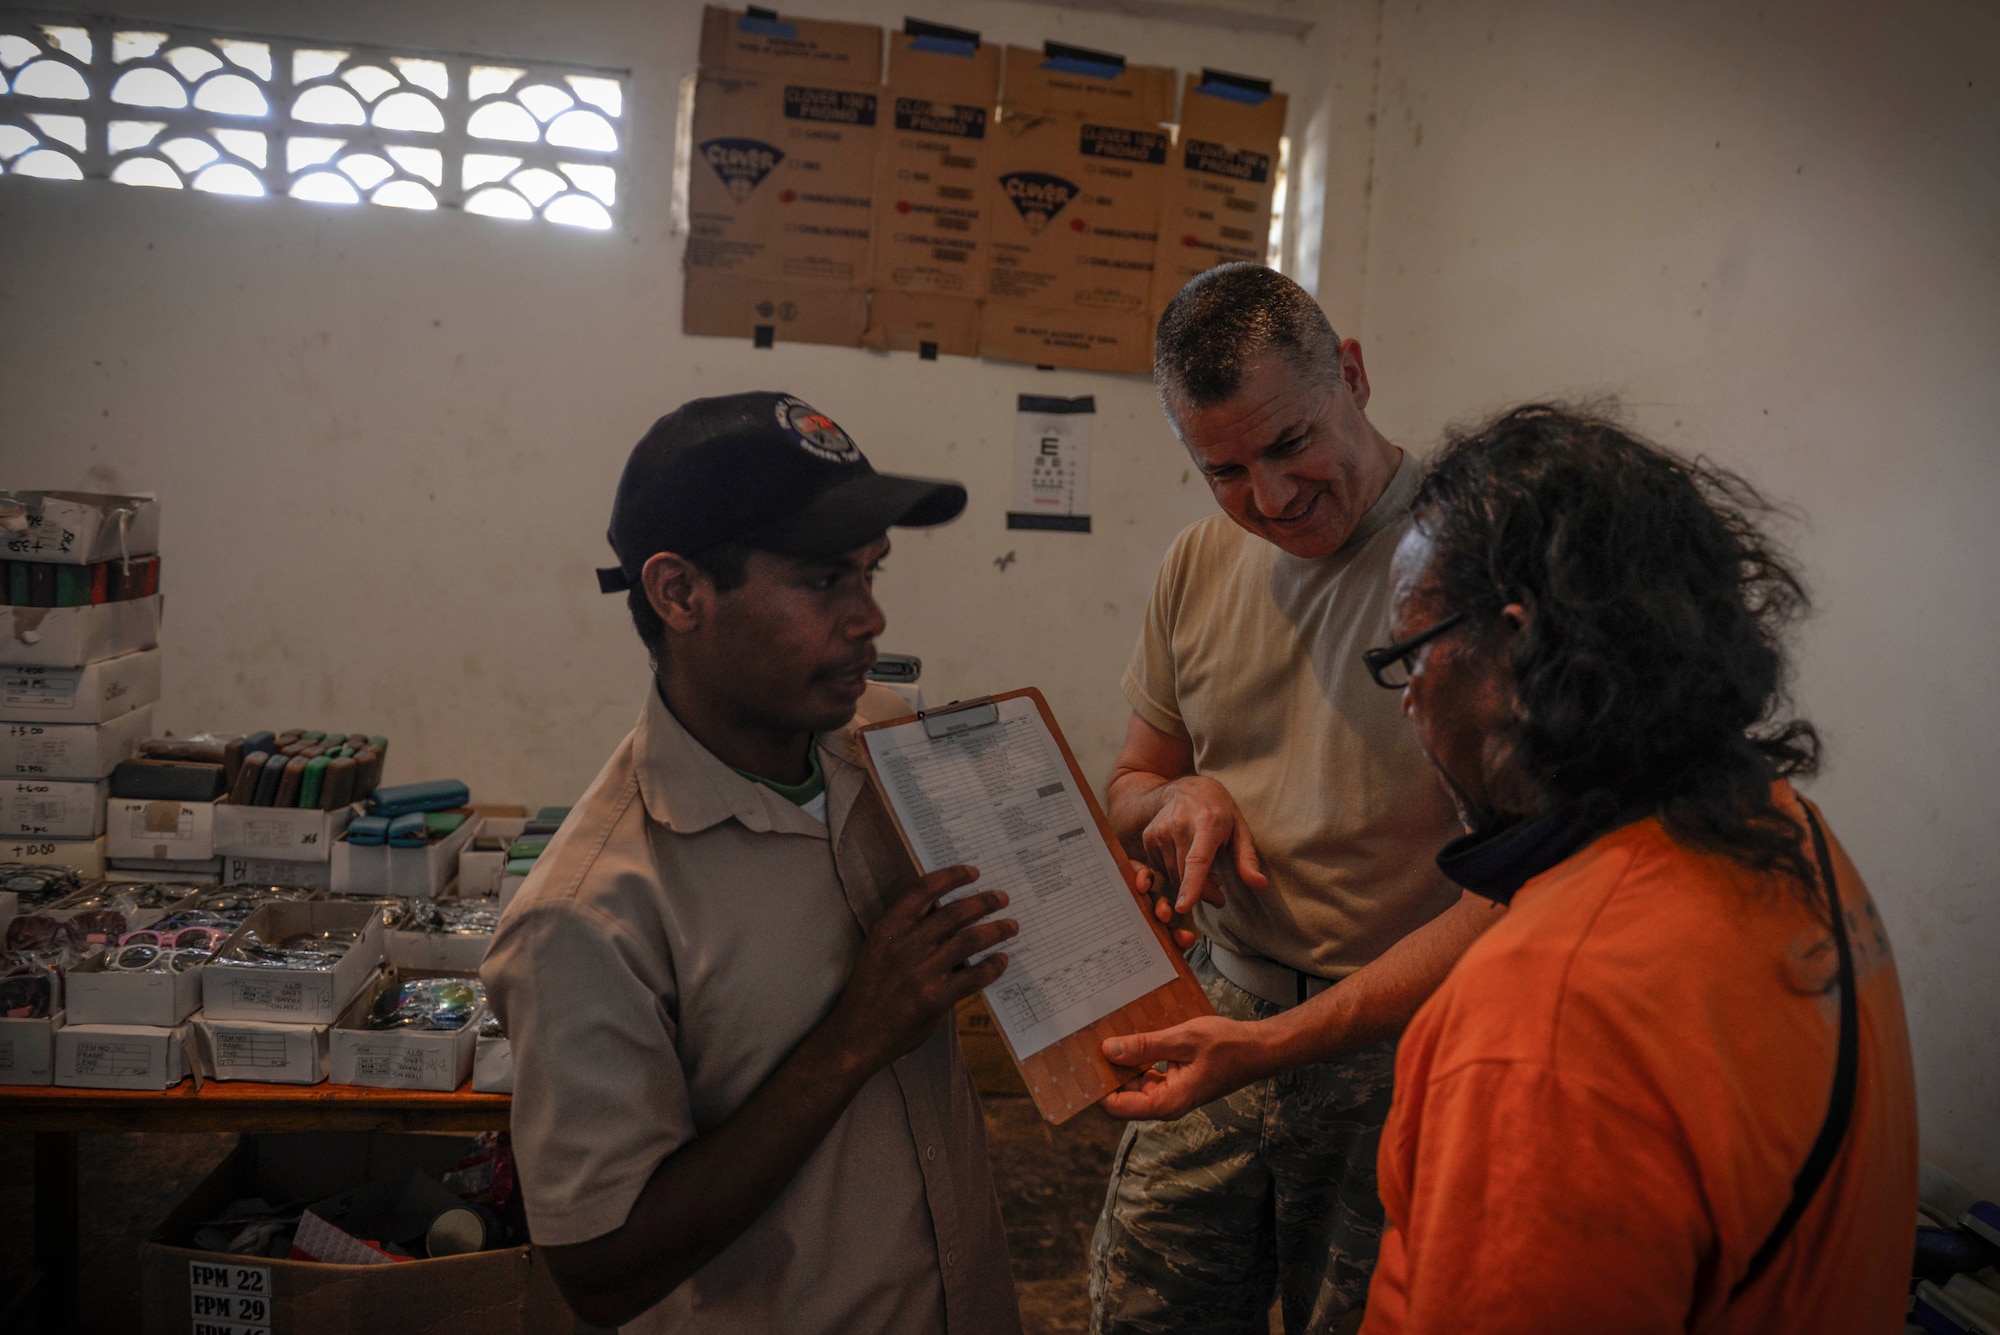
(784, 131)
(933, 198)
(505, 1292)
(986, 1056)
(1080, 160)
(1224, 169)
(71, 751)
(74, 636)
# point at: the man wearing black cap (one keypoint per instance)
(737, 1106)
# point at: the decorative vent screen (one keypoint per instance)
(188, 109)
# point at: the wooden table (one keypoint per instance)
(58, 1116)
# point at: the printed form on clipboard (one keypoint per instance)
(991, 783)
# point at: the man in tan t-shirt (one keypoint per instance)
(739, 1103)
(1276, 794)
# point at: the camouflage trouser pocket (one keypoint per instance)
(1268, 1191)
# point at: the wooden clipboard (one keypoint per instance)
(1071, 1074)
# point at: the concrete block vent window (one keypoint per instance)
(175, 108)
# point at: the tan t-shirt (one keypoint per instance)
(681, 934)
(1254, 656)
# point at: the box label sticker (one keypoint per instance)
(229, 1299)
(399, 1065)
(114, 1059)
(287, 995)
(1221, 160)
(1115, 141)
(40, 688)
(829, 104)
(948, 118)
(242, 1049)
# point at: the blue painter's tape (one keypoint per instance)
(944, 46)
(778, 28)
(1249, 97)
(1089, 69)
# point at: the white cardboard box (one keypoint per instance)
(121, 1056)
(87, 751)
(438, 952)
(238, 870)
(129, 870)
(81, 528)
(159, 830)
(479, 872)
(509, 887)
(94, 693)
(493, 1066)
(294, 996)
(286, 833)
(85, 855)
(73, 636)
(51, 808)
(280, 1054)
(28, 1050)
(400, 1058)
(416, 873)
(94, 994)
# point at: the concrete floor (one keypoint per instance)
(1050, 1180)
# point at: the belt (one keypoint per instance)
(1267, 980)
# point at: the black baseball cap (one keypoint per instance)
(763, 469)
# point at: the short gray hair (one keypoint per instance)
(1223, 318)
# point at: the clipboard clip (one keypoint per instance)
(959, 716)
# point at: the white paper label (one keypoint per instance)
(243, 1049)
(229, 1299)
(40, 688)
(114, 1059)
(397, 1065)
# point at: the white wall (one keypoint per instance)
(386, 442)
(1772, 232)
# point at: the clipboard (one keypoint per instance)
(1070, 1073)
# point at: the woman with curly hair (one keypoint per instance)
(1671, 1089)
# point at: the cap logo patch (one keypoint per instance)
(816, 433)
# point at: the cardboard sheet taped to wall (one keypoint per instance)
(1217, 205)
(780, 194)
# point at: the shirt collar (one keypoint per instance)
(688, 789)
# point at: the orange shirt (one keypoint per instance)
(1598, 1117)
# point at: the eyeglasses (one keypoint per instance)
(1392, 664)
(202, 937)
(145, 955)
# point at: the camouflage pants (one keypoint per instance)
(1269, 1190)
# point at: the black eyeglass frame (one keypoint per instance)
(1378, 661)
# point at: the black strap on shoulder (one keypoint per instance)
(1840, 1108)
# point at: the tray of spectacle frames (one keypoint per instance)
(410, 1029)
(150, 976)
(294, 963)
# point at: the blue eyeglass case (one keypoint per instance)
(368, 830)
(431, 795)
(408, 831)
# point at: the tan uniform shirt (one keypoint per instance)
(1254, 656)
(684, 930)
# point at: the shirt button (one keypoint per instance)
(930, 1153)
(950, 1259)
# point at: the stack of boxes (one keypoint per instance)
(79, 667)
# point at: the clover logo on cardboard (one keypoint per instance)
(1038, 196)
(741, 163)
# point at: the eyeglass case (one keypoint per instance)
(368, 830)
(408, 830)
(431, 795)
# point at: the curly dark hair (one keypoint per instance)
(1651, 666)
